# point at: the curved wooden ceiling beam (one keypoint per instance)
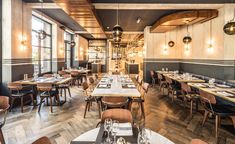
(84, 13)
(172, 21)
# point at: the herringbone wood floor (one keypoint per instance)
(169, 119)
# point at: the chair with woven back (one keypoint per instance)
(92, 83)
(139, 84)
(65, 86)
(47, 91)
(4, 107)
(18, 91)
(121, 115)
(162, 82)
(89, 99)
(189, 96)
(210, 105)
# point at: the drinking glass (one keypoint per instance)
(108, 127)
(115, 128)
(167, 69)
(163, 69)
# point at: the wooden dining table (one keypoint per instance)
(182, 78)
(219, 90)
(116, 85)
(82, 71)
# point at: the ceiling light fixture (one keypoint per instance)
(41, 33)
(229, 27)
(117, 30)
(187, 39)
(138, 20)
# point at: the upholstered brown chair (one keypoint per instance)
(121, 115)
(162, 82)
(114, 102)
(46, 91)
(65, 86)
(197, 141)
(89, 99)
(42, 140)
(17, 90)
(189, 96)
(4, 107)
(210, 106)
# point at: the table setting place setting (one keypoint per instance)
(113, 132)
(224, 93)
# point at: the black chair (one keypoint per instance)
(153, 77)
(162, 82)
(4, 107)
(210, 105)
(18, 91)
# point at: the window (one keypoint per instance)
(68, 52)
(41, 49)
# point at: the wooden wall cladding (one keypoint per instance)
(84, 13)
(172, 21)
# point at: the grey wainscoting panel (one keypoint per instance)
(219, 69)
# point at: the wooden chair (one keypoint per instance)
(197, 141)
(76, 76)
(189, 96)
(46, 91)
(17, 90)
(173, 88)
(140, 101)
(114, 102)
(61, 73)
(153, 77)
(139, 86)
(89, 99)
(65, 86)
(4, 107)
(210, 106)
(162, 82)
(121, 115)
(92, 83)
(42, 140)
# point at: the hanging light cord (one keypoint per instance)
(210, 30)
(22, 31)
(117, 11)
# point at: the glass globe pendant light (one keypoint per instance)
(187, 39)
(229, 27)
(41, 33)
(117, 30)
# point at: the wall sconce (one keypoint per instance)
(23, 42)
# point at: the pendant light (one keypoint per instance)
(73, 43)
(210, 43)
(187, 39)
(41, 33)
(117, 30)
(171, 43)
(229, 28)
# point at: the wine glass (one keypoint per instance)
(108, 127)
(115, 128)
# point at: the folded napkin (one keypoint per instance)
(103, 85)
(222, 86)
(125, 129)
(131, 86)
(224, 93)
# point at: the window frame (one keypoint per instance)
(40, 60)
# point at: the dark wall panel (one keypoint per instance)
(0, 46)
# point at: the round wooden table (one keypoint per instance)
(90, 136)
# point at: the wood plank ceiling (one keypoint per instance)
(84, 13)
(174, 20)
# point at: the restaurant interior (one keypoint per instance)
(117, 72)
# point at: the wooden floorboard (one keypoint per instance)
(168, 118)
